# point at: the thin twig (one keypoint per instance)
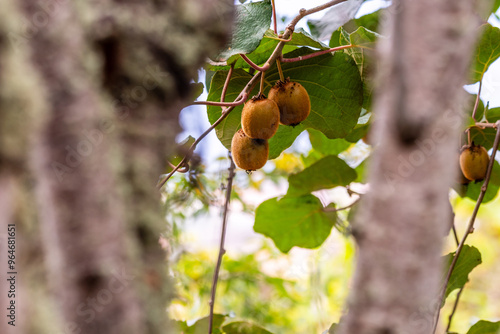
(470, 226)
(253, 65)
(225, 112)
(223, 104)
(455, 234)
(450, 318)
(274, 18)
(343, 208)
(303, 12)
(226, 84)
(184, 168)
(315, 54)
(222, 251)
(476, 104)
(485, 125)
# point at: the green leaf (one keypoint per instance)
(201, 325)
(242, 327)
(325, 145)
(252, 21)
(474, 188)
(469, 258)
(293, 221)
(302, 38)
(485, 327)
(493, 114)
(363, 57)
(369, 21)
(328, 172)
(333, 329)
(335, 38)
(487, 51)
(283, 139)
(334, 88)
(197, 88)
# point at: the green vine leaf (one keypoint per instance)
(334, 87)
(242, 327)
(487, 51)
(328, 172)
(469, 258)
(201, 325)
(363, 57)
(252, 21)
(485, 327)
(336, 97)
(293, 221)
(474, 188)
(325, 145)
(266, 47)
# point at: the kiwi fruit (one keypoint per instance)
(248, 153)
(474, 162)
(292, 100)
(260, 117)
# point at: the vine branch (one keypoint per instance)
(276, 53)
(470, 226)
(315, 54)
(225, 113)
(222, 251)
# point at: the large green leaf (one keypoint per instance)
(266, 47)
(485, 327)
(328, 172)
(293, 221)
(334, 87)
(252, 21)
(242, 327)
(325, 145)
(469, 258)
(487, 51)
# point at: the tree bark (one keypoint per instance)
(107, 82)
(402, 219)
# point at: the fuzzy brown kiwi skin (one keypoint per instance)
(248, 153)
(474, 160)
(293, 101)
(260, 117)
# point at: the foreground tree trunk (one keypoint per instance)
(402, 220)
(107, 81)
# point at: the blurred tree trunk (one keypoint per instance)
(89, 99)
(402, 220)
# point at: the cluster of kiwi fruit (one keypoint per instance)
(474, 161)
(288, 104)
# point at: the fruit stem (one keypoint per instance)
(278, 63)
(222, 240)
(253, 65)
(226, 84)
(274, 18)
(476, 104)
(319, 53)
(261, 89)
